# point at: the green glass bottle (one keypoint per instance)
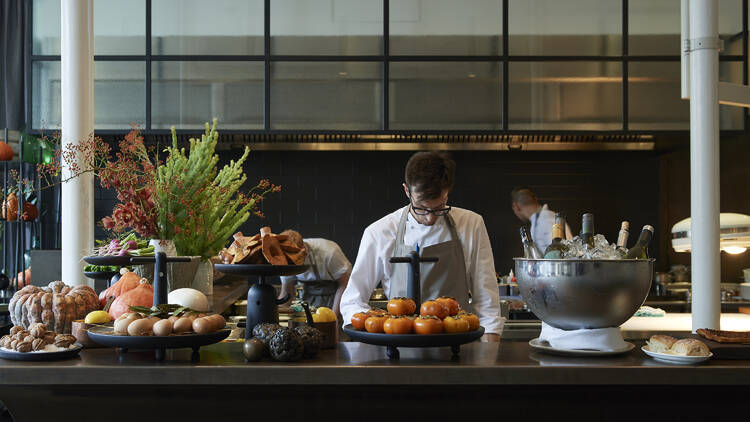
(587, 230)
(640, 249)
(556, 249)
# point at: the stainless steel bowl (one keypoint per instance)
(574, 294)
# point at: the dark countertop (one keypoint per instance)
(506, 363)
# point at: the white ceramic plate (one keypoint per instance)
(545, 347)
(676, 359)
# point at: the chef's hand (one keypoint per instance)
(491, 338)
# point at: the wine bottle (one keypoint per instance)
(587, 230)
(640, 249)
(560, 219)
(529, 248)
(556, 249)
(622, 238)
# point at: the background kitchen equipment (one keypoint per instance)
(574, 294)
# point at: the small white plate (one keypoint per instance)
(676, 359)
(544, 346)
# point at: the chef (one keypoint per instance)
(528, 209)
(457, 237)
(324, 282)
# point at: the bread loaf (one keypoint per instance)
(660, 343)
(56, 305)
(690, 347)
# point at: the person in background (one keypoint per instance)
(528, 209)
(324, 282)
(457, 237)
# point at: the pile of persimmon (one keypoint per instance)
(441, 315)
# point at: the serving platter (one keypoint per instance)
(105, 335)
(115, 260)
(265, 270)
(393, 341)
(676, 359)
(545, 347)
(40, 356)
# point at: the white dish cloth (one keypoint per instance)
(603, 339)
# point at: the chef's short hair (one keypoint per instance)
(430, 173)
(294, 236)
(522, 195)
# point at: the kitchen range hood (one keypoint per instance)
(446, 141)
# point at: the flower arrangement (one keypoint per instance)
(184, 198)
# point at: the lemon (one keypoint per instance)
(324, 314)
(97, 317)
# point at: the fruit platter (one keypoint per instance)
(438, 322)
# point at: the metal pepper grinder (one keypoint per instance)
(413, 287)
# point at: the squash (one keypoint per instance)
(143, 295)
(6, 152)
(127, 282)
(191, 298)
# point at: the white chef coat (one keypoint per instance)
(541, 228)
(378, 244)
(330, 261)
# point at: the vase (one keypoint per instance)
(163, 245)
(204, 277)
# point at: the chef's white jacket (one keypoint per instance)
(378, 245)
(329, 259)
(541, 228)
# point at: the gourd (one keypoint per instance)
(56, 305)
(6, 152)
(127, 282)
(142, 295)
(191, 298)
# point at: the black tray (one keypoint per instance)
(393, 341)
(266, 270)
(100, 275)
(40, 356)
(105, 336)
(117, 260)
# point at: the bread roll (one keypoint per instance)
(690, 347)
(660, 343)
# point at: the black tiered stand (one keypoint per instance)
(105, 336)
(262, 304)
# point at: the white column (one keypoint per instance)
(77, 57)
(704, 163)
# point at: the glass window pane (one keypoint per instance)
(654, 27)
(469, 27)
(119, 94)
(445, 95)
(565, 27)
(46, 96)
(227, 27)
(326, 95)
(119, 27)
(46, 27)
(565, 95)
(654, 97)
(327, 27)
(188, 94)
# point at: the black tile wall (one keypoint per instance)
(337, 194)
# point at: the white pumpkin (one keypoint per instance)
(191, 298)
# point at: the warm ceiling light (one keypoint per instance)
(734, 250)
(343, 73)
(471, 75)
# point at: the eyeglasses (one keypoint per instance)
(426, 211)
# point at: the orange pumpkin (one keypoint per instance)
(127, 282)
(6, 152)
(143, 295)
